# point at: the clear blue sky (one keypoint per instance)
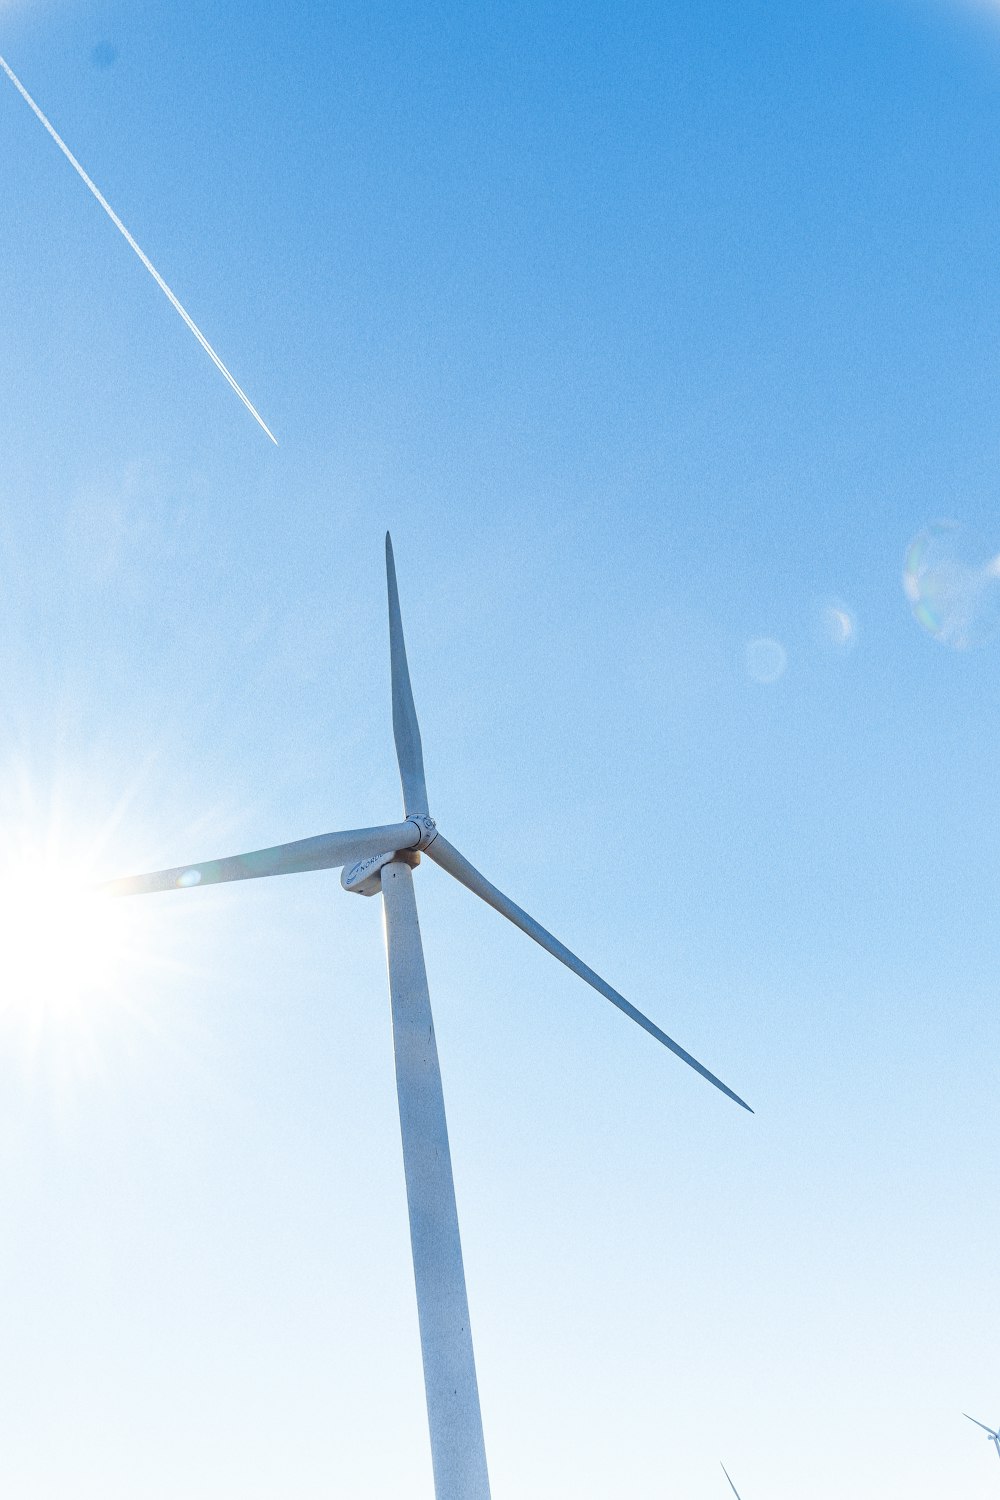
(650, 330)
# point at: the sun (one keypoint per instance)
(62, 944)
(81, 971)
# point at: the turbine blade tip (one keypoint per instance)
(729, 1093)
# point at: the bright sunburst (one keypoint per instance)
(62, 946)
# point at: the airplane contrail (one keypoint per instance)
(203, 341)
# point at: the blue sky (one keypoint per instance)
(651, 332)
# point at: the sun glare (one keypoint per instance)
(62, 945)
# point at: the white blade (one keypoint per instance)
(405, 728)
(203, 341)
(456, 864)
(731, 1484)
(325, 852)
(983, 1425)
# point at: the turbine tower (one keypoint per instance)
(381, 861)
(994, 1437)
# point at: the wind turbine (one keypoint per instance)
(994, 1437)
(731, 1484)
(382, 860)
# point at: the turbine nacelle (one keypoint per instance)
(365, 878)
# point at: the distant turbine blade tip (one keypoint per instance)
(731, 1484)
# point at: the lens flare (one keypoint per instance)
(838, 625)
(766, 659)
(952, 582)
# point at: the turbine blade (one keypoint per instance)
(983, 1425)
(405, 728)
(731, 1484)
(448, 857)
(325, 852)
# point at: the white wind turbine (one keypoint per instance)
(994, 1437)
(382, 860)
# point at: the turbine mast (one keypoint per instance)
(458, 1452)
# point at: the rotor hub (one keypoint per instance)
(427, 829)
(364, 878)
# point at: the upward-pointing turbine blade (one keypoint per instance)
(983, 1425)
(405, 728)
(325, 852)
(448, 857)
(731, 1484)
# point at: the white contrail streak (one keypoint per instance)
(203, 341)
